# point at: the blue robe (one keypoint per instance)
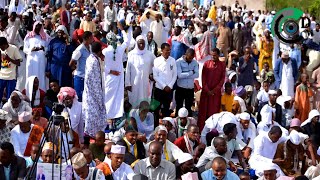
(178, 49)
(59, 56)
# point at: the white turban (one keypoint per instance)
(294, 137)
(266, 114)
(183, 112)
(62, 28)
(313, 113)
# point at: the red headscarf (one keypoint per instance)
(203, 48)
(66, 91)
(43, 35)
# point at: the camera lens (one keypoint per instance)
(291, 28)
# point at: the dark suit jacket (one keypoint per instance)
(278, 114)
(18, 169)
(130, 158)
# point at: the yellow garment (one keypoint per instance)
(166, 152)
(227, 101)
(213, 13)
(266, 50)
(135, 149)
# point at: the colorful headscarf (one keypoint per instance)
(203, 48)
(113, 40)
(66, 91)
(43, 35)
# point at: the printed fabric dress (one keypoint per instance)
(93, 108)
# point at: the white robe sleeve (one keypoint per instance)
(15, 142)
(127, 81)
(174, 75)
(27, 46)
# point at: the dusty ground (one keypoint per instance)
(251, 4)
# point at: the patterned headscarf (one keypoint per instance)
(44, 36)
(113, 40)
(66, 91)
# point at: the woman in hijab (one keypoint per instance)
(34, 47)
(34, 93)
(139, 67)
(15, 106)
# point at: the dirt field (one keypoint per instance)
(251, 4)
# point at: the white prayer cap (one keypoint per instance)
(231, 75)
(266, 114)
(118, 149)
(161, 128)
(313, 113)
(4, 115)
(48, 146)
(245, 116)
(209, 20)
(272, 92)
(318, 151)
(252, 10)
(170, 119)
(25, 14)
(184, 157)
(34, 3)
(273, 12)
(78, 160)
(24, 116)
(74, 13)
(180, 14)
(62, 28)
(239, 10)
(248, 88)
(294, 137)
(285, 54)
(269, 166)
(183, 112)
(286, 98)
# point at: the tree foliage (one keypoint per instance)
(308, 6)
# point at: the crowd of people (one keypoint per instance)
(156, 90)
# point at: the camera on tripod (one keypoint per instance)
(57, 118)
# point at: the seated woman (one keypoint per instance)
(34, 93)
(37, 119)
(15, 106)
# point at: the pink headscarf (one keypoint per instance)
(66, 91)
(203, 48)
(43, 34)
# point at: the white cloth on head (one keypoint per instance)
(139, 67)
(295, 137)
(245, 116)
(183, 112)
(263, 152)
(217, 121)
(170, 119)
(161, 128)
(18, 9)
(25, 116)
(114, 85)
(118, 149)
(29, 91)
(62, 28)
(184, 157)
(313, 172)
(313, 113)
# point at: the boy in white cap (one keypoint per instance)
(182, 121)
(79, 164)
(25, 134)
(4, 129)
(119, 169)
(292, 152)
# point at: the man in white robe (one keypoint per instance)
(217, 121)
(156, 27)
(166, 28)
(139, 67)
(34, 47)
(110, 15)
(265, 146)
(145, 24)
(114, 75)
